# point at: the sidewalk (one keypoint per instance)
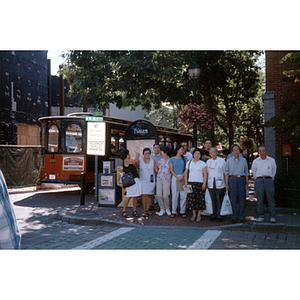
(288, 220)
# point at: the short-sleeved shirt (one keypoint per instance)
(188, 156)
(264, 167)
(236, 167)
(157, 157)
(164, 172)
(195, 170)
(178, 164)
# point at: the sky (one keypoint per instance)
(56, 60)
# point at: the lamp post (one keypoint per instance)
(248, 123)
(194, 72)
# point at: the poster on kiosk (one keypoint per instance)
(139, 135)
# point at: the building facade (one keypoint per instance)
(23, 96)
(277, 91)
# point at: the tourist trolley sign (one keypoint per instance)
(96, 136)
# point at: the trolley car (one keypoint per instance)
(64, 144)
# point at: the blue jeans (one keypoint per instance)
(237, 192)
(265, 187)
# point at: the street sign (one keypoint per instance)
(96, 135)
(94, 119)
(97, 113)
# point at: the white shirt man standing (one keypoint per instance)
(216, 182)
(186, 154)
(264, 171)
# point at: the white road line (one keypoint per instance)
(205, 240)
(103, 239)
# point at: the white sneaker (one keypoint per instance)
(168, 212)
(162, 212)
(260, 219)
(272, 220)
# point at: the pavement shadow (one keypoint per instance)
(54, 199)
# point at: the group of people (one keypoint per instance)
(187, 176)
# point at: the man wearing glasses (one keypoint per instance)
(237, 181)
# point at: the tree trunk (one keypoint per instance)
(229, 123)
(209, 106)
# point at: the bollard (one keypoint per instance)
(82, 191)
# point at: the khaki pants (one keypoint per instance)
(163, 193)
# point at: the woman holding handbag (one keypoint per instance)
(133, 191)
(177, 168)
(196, 175)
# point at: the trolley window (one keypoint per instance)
(74, 138)
(53, 138)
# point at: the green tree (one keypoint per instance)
(149, 78)
(289, 123)
(237, 90)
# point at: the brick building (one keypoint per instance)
(278, 91)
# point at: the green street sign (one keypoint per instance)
(97, 113)
(94, 119)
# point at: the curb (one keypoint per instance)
(254, 227)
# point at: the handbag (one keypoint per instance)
(226, 208)
(127, 180)
(208, 203)
(179, 185)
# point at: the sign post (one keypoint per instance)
(287, 151)
(96, 136)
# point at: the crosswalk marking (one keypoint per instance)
(205, 240)
(103, 239)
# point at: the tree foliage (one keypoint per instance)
(229, 81)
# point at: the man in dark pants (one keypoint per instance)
(216, 182)
(237, 181)
(264, 171)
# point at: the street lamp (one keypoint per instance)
(194, 72)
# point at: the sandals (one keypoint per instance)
(173, 215)
(145, 214)
(193, 218)
(135, 214)
(183, 215)
(124, 214)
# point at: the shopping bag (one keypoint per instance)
(226, 208)
(208, 203)
(188, 189)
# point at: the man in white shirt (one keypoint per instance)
(216, 182)
(264, 171)
(186, 154)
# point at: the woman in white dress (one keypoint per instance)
(133, 191)
(147, 169)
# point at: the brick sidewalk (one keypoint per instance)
(92, 211)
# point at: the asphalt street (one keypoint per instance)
(41, 229)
